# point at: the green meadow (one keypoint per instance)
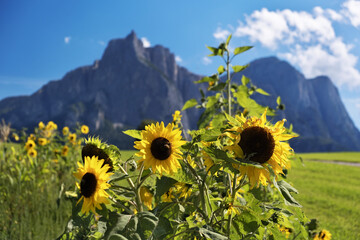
(335, 156)
(330, 192)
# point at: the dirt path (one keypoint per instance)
(354, 164)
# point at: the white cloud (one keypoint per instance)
(178, 59)
(221, 34)
(102, 43)
(334, 61)
(145, 42)
(206, 60)
(351, 10)
(67, 39)
(307, 40)
(272, 28)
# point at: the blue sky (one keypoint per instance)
(43, 40)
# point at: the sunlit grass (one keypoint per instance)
(330, 193)
(334, 156)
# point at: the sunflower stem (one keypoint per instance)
(137, 192)
(233, 195)
(228, 81)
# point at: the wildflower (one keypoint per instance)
(42, 141)
(323, 235)
(41, 125)
(93, 183)
(65, 131)
(32, 152)
(64, 151)
(160, 147)
(261, 143)
(84, 129)
(146, 197)
(30, 144)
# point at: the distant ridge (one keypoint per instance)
(130, 84)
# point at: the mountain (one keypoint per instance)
(313, 106)
(131, 83)
(127, 85)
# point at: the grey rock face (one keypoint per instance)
(128, 84)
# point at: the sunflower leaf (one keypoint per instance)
(189, 104)
(133, 133)
(286, 189)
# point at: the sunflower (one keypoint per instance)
(29, 144)
(323, 235)
(176, 117)
(51, 126)
(146, 197)
(72, 137)
(42, 141)
(32, 152)
(94, 147)
(65, 130)
(260, 142)
(64, 151)
(285, 230)
(160, 147)
(41, 125)
(93, 183)
(84, 129)
(184, 190)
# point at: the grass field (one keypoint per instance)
(330, 192)
(335, 156)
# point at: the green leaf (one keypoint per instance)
(163, 185)
(206, 79)
(221, 69)
(216, 51)
(212, 235)
(117, 237)
(239, 68)
(261, 91)
(189, 104)
(285, 189)
(213, 50)
(278, 100)
(133, 133)
(245, 80)
(218, 87)
(163, 228)
(206, 117)
(239, 50)
(228, 40)
(210, 135)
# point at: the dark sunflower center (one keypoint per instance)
(88, 184)
(258, 142)
(90, 150)
(161, 148)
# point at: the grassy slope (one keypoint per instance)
(330, 193)
(334, 156)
